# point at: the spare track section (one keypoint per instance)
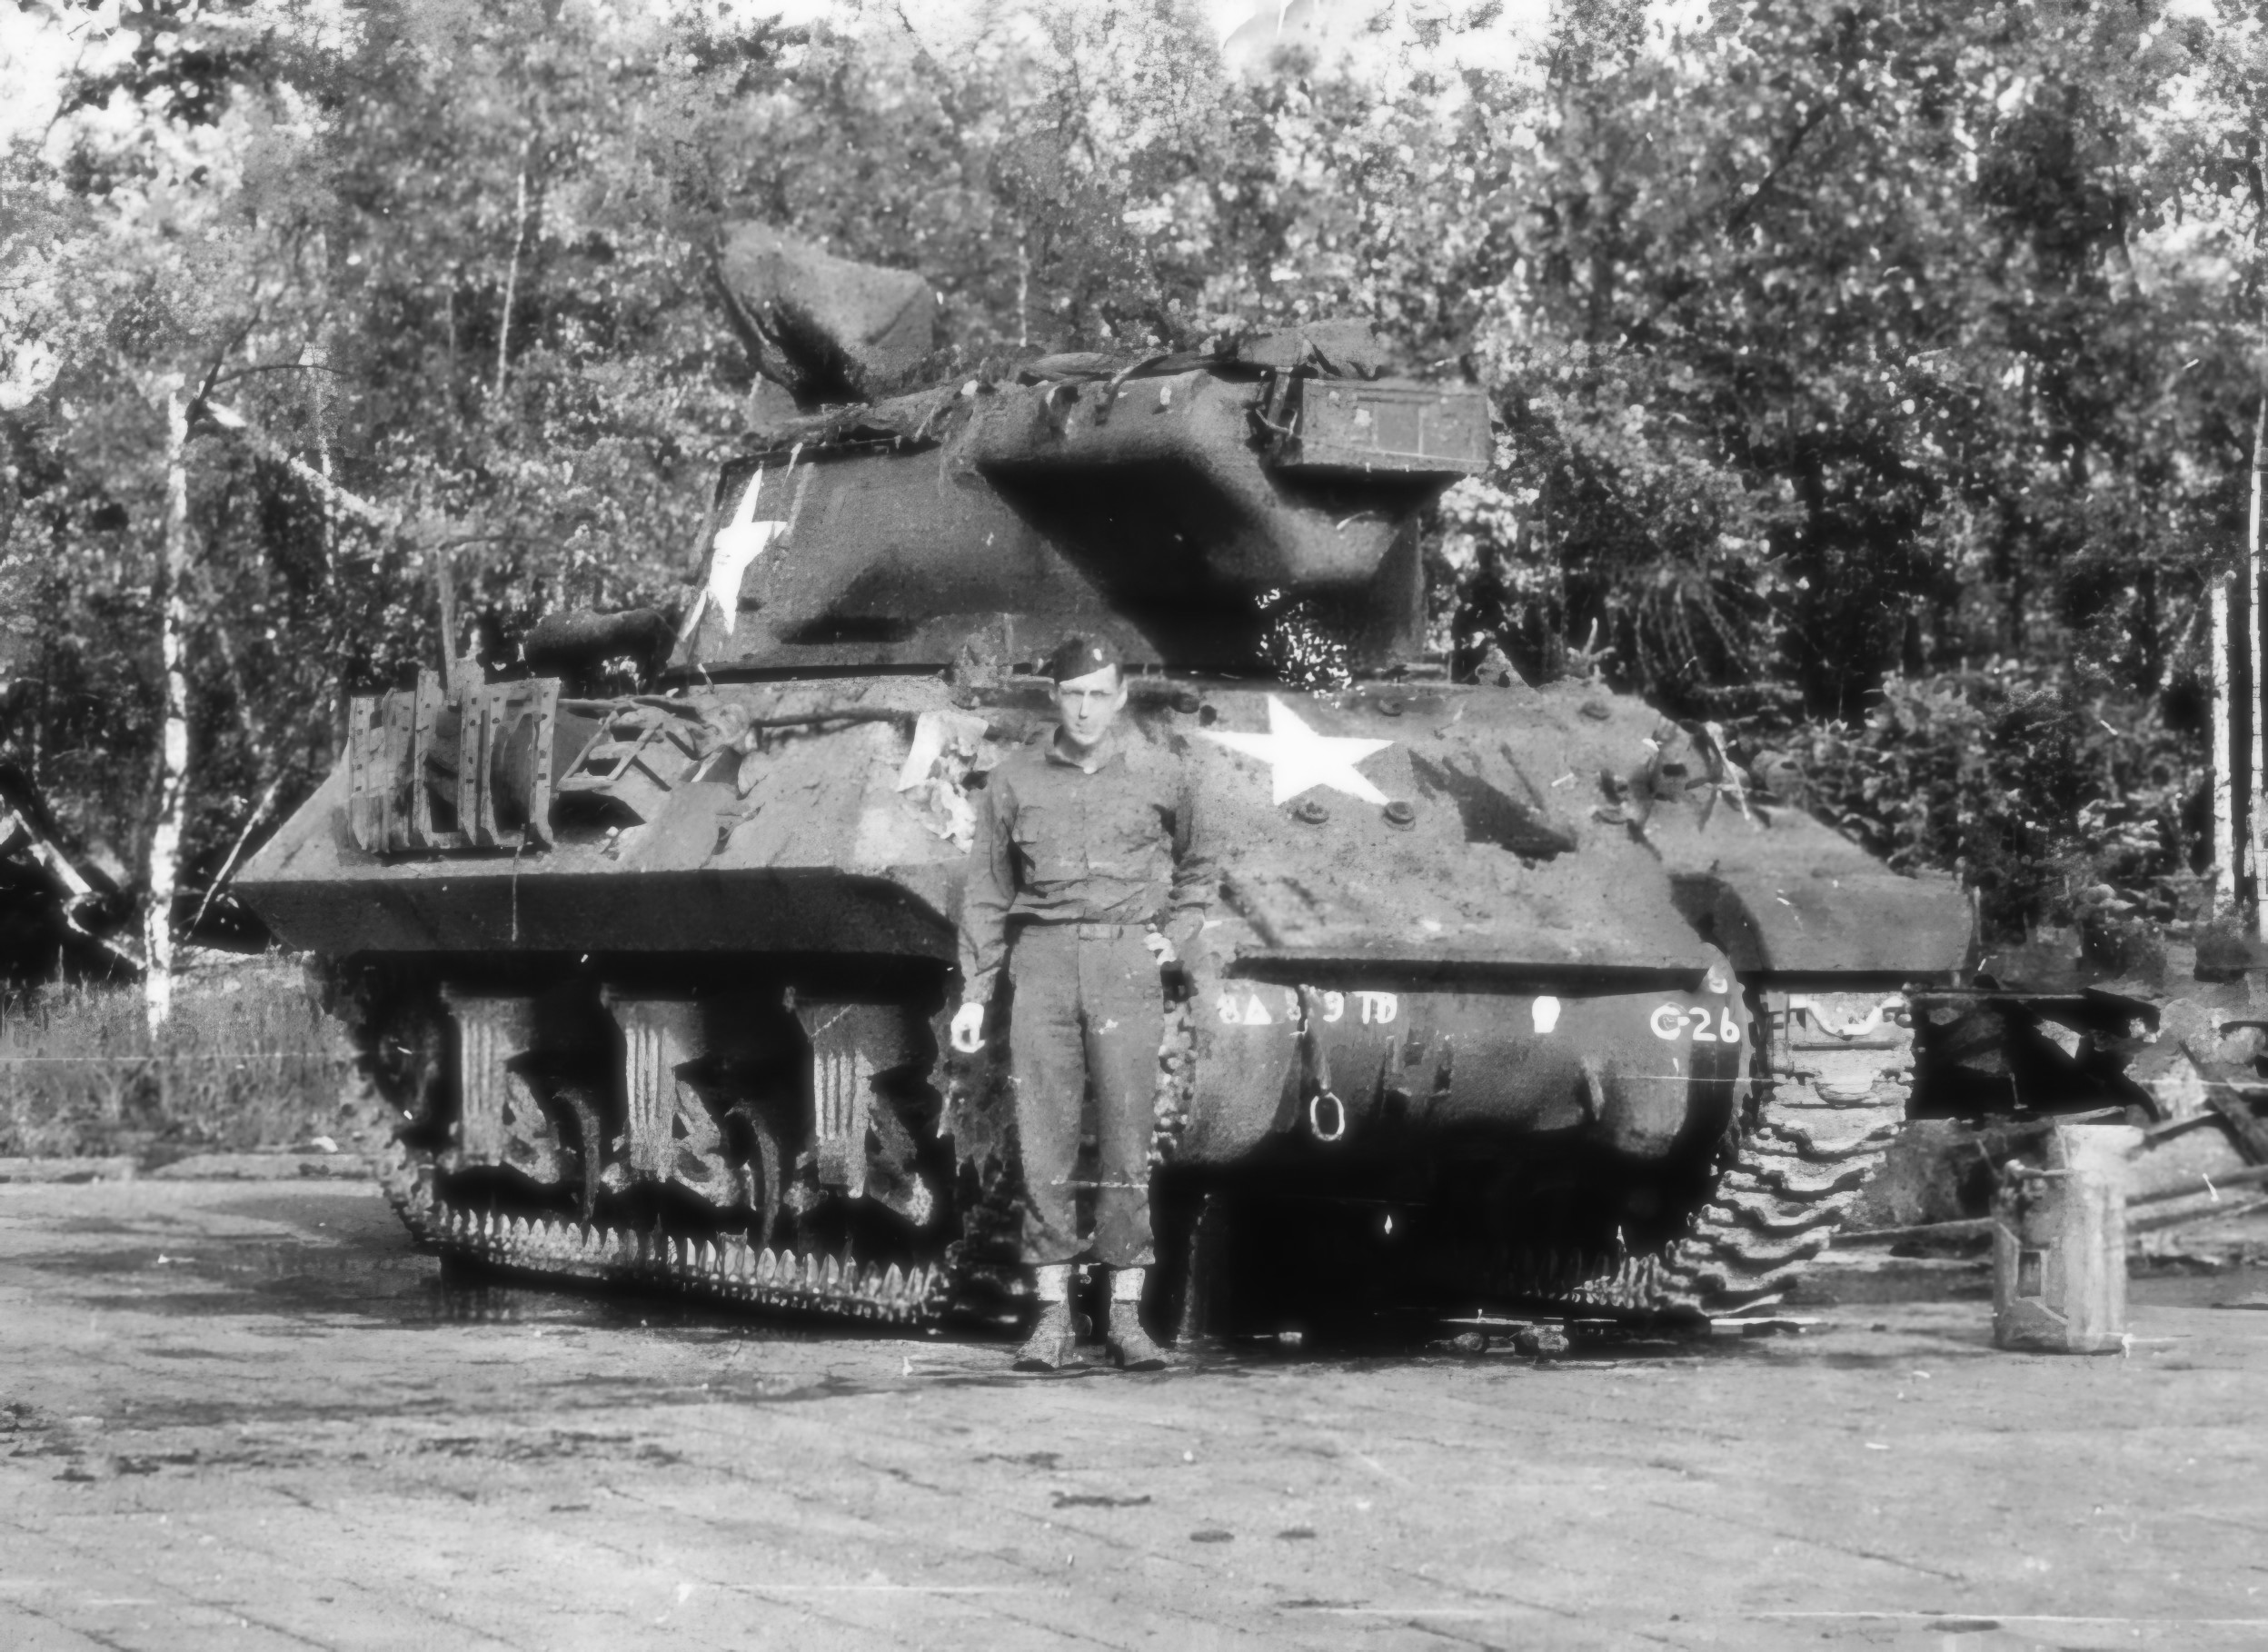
(730, 1270)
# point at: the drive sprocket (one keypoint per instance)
(1838, 1070)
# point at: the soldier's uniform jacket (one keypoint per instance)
(1059, 842)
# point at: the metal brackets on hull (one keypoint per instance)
(672, 1131)
(668, 1132)
(850, 1044)
(639, 756)
(433, 767)
(500, 1120)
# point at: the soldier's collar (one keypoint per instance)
(1111, 749)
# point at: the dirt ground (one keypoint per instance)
(250, 1417)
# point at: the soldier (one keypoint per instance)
(1086, 866)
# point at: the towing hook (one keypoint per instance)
(1315, 1115)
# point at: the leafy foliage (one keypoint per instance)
(1872, 361)
(2051, 812)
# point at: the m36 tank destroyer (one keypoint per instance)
(1511, 993)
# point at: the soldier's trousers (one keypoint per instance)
(1088, 1013)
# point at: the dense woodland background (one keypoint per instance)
(1877, 377)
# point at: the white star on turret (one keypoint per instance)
(1299, 760)
(737, 545)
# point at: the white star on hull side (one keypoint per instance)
(1299, 758)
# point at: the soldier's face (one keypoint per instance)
(1088, 705)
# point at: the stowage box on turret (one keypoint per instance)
(1511, 993)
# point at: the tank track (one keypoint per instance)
(1838, 1073)
(1618, 1285)
(727, 1271)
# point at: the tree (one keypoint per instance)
(166, 261)
(1836, 337)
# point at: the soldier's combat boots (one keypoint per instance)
(1054, 1340)
(1129, 1344)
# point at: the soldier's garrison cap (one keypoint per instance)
(1078, 656)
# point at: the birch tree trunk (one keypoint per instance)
(173, 592)
(511, 270)
(2259, 814)
(319, 360)
(2224, 757)
(1023, 292)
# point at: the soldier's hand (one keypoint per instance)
(969, 1029)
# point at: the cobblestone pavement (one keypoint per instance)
(248, 1417)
